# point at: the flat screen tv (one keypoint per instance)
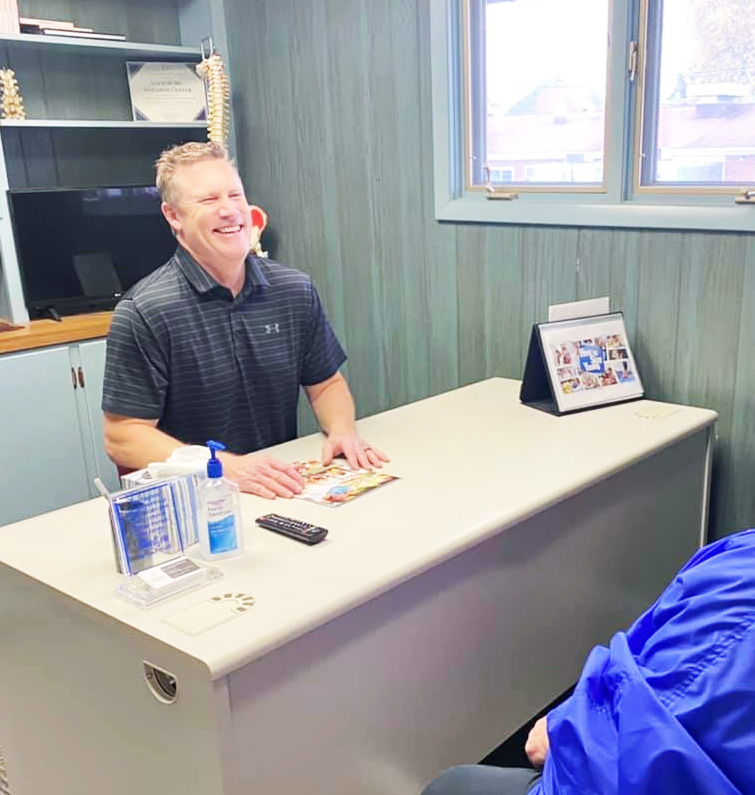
(80, 249)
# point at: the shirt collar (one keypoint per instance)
(202, 282)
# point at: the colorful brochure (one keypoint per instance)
(336, 484)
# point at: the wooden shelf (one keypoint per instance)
(44, 333)
(104, 47)
(92, 123)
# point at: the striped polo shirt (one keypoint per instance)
(182, 349)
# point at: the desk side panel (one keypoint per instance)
(76, 715)
(441, 669)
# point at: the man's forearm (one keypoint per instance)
(333, 406)
(134, 444)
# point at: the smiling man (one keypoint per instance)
(216, 343)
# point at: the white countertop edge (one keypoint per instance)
(412, 568)
(235, 648)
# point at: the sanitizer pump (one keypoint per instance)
(220, 532)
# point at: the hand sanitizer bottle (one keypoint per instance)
(220, 532)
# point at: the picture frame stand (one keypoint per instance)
(578, 364)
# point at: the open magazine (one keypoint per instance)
(337, 483)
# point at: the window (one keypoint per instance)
(537, 101)
(595, 112)
(699, 95)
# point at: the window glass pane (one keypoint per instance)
(700, 94)
(544, 91)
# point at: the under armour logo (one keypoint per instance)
(272, 328)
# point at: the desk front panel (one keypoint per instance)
(444, 667)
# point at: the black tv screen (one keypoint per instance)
(80, 249)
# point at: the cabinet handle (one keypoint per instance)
(73, 377)
(81, 377)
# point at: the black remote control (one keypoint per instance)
(293, 528)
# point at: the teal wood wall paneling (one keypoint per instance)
(332, 108)
(550, 268)
(709, 329)
(80, 87)
(608, 265)
(80, 157)
(344, 199)
(472, 273)
(736, 490)
(57, 84)
(658, 311)
(439, 241)
(139, 20)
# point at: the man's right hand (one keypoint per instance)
(262, 475)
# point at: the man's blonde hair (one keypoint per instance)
(183, 155)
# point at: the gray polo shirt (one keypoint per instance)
(210, 366)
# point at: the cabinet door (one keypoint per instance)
(42, 452)
(92, 362)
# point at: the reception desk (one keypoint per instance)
(442, 611)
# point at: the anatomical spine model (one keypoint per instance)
(218, 90)
(12, 103)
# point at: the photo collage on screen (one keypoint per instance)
(593, 363)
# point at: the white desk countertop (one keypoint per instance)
(472, 462)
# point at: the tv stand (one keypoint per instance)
(41, 334)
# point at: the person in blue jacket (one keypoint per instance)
(668, 708)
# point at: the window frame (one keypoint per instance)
(623, 204)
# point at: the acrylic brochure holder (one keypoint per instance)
(152, 525)
(578, 364)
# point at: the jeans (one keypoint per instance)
(483, 780)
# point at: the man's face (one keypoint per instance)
(210, 214)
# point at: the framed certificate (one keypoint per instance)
(166, 91)
(579, 364)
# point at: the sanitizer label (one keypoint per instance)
(221, 526)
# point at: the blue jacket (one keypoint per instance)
(670, 707)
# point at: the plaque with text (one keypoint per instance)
(166, 92)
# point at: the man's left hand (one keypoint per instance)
(356, 450)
